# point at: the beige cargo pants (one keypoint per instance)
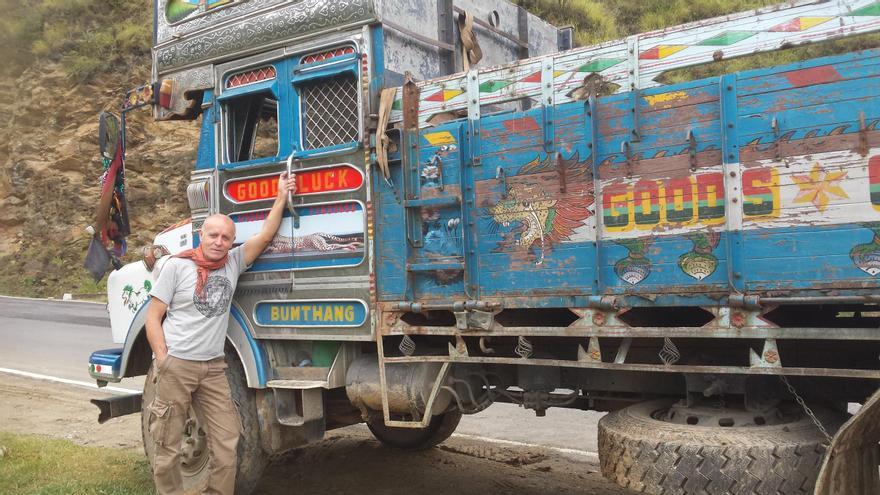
(203, 384)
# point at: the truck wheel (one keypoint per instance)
(648, 455)
(439, 429)
(194, 448)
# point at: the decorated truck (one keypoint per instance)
(484, 214)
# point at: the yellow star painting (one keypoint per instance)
(818, 186)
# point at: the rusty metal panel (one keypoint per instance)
(414, 41)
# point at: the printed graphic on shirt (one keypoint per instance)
(215, 300)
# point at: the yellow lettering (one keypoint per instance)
(328, 180)
(274, 316)
(241, 191)
(338, 313)
(305, 312)
(349, 313)
(343, 178)
(316, 182)
(294, 313)
(317, 314)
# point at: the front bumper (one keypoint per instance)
(104, 366)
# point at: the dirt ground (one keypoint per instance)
(349, 460)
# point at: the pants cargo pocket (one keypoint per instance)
(160, 416)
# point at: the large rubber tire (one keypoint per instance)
(651, 456)
(252, 460)
(439, 429)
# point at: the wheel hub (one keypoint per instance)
(723, 415)
(194, 448)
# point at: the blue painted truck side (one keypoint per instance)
(525, 236)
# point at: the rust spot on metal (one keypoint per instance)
(391, 318)
(599, 318)
(737, 319)
(771, 356)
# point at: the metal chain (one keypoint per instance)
(800, 401)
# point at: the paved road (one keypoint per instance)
(55, 338)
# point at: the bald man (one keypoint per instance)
(194, 293)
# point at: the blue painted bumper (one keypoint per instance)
(104, 365)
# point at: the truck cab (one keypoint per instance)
(283, 85)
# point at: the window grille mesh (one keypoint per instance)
(329, 111)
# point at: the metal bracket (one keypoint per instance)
(593, 354)
(626, 149)
(473, 107)
(410, 156)
(296, 407)
(460, 348)
(623, 350)
(501, 177)
(592, 112)
(548, 105)
(692, 149)
(436, 161)
(560, 171)
(446, 34)
(774, 124)
(769, 357)
(632, 48)
(472, 319)
(863, 135)
(636, 132)
(426, 418)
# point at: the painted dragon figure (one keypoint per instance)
(540, 217)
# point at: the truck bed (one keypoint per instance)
(764, 182)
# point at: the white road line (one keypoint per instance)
(76, 383)
(43, 299)
(591, 455)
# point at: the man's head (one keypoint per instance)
(217, 235)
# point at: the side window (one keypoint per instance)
(327, 86)
(252, 127)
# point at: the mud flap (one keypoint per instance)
(116, 406)
(850, 467)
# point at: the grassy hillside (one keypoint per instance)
(66, 60)
(86, 38)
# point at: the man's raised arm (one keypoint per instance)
(254, 246)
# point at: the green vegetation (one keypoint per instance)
(88, 37)
(39, 465)
(53, 272)
(595, 21)
(770, 59)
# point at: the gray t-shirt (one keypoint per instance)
(195, 327)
